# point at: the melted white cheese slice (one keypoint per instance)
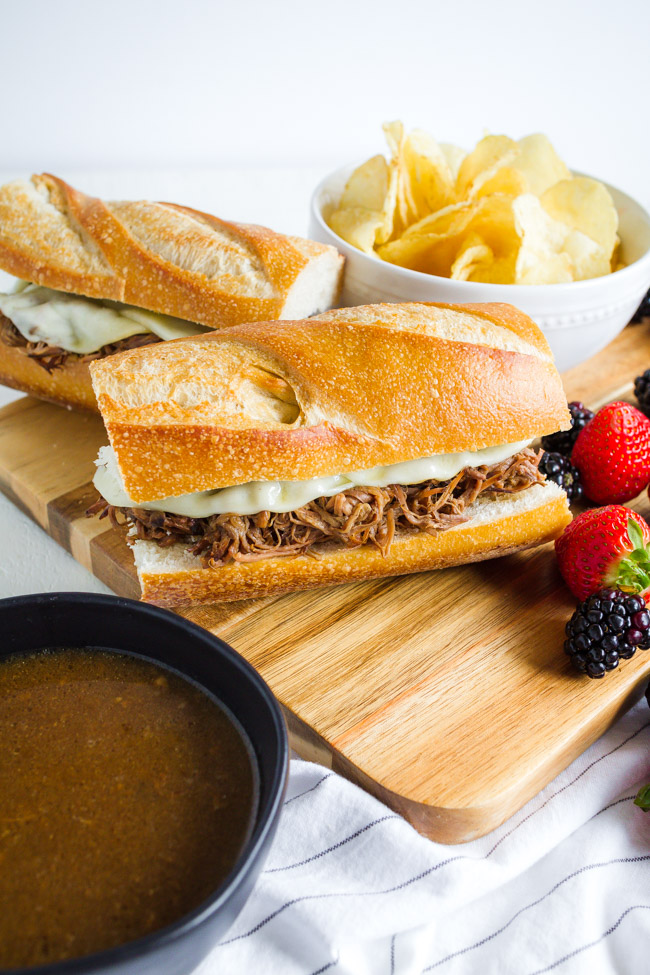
(84, 325)
(249, 499)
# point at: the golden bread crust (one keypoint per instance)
(412, 553)
(507, 316)
(161, 256)
(68, 386)
(348, 390)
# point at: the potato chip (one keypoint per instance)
(539, 164)
(494, 222)
(588, 259)
(437, 242)
(493, 218)
(358, 226)
(500, 270)
(473, 253)
(431, 185)
(542, 268)
(507, 212)
(367, 186)
(407, 249)
(431, 253)
(541, 259)
(506, 180)
(405, 209)
(489, 155)
(365, 213)
(432, 244)
(394, 133)
(533, 168)
(454, 156)
(385, 232)
(585, 205)
(552, 251)
(616, 264)
(450, 219)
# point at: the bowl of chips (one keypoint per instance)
(506, 222)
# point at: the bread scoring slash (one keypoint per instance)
(348, 401)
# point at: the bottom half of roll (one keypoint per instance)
(362, 533)
(52, 373)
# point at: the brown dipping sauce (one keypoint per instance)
(126, 794)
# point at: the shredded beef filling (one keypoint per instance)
(358, 516)
(52, 357)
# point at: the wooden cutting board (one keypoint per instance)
(445, 694)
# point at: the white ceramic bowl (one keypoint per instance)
(578, 318)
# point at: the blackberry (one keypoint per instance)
(562, 442)
(605, 628)
(642, 391)
(643, 311)
(558, 468)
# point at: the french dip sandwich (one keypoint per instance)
(99, 278)
(364, 442)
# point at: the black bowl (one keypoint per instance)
(85, 620)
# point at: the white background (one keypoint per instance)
(286, 83)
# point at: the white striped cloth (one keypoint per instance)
(350, 888)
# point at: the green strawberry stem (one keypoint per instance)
(643, 798)
(632, 573)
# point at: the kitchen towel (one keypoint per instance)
(350, 888)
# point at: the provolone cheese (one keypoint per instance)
(84, 325)
(249, 499)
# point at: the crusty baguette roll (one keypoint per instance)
(70, 386)
(172, 576)
(347, 390)
(160, 256)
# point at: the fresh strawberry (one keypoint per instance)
(612, 454)
(605, 548)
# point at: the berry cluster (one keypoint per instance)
(612, 453)
(605, 628)
(563, 441)
(604, 554)
(558, 468)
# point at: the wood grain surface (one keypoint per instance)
(445, 694)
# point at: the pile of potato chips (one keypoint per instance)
(507, 212)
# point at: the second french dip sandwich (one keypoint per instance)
(100, 277)
(367, 441)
